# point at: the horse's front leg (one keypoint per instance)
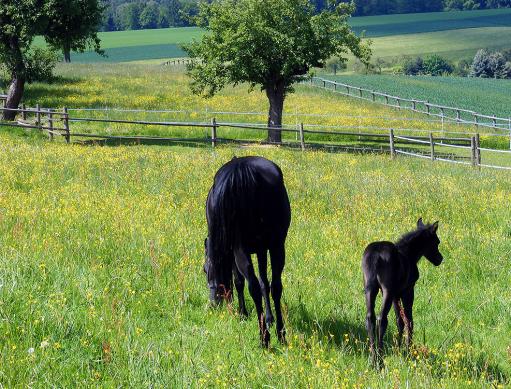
(278, 260)
(246, 268)
(239, 283)
(408, 298)
(262, 260)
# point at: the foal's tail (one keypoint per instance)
(370, 261)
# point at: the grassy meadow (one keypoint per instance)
(101, 281)
(101, 249)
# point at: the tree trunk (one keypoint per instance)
(14, 97)
(276, 98)
(67, 53)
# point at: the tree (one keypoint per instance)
(436, 65)
(268, 43)
(481, 66)
(149, 15)
(73, 25)
(20, 21)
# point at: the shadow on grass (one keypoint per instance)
(342, 333)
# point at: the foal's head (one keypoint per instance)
(219, 277)
(430, 242)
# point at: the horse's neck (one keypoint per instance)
(411, 251)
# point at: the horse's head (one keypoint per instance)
(219, 279)
(431, 242)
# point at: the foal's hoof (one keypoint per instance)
(243, 313)
(265, 339)
(282, 336)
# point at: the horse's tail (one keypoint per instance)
(235, 192)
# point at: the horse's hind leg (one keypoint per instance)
(383, 319)
(246, 268)
(239, 283)
(399, 321)
(262, 260)
(370, 294)
(278, 259)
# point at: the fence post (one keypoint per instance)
(386, 100)
(476, 120)
(428, 108)
(373, 95)
(432, 143)
(213, 132)
(509, 133)
(360, 92)
(494, 120)
(24, 113)
(398, 103)
(392, 148)
(38, 116)
(324, 84)
(50, 123)
(414, 105)
(335, 86)
(302, 137)
(458, 116)
(348, 89)
(478, 150)
(473, 149)
(66, 126)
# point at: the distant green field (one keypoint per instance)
(385, 25)
(487, 96)
(455, 44)
(453, 34)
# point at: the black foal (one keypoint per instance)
(393, 269)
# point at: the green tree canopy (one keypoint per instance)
(271, 44)
(20, 22)
(73, 25)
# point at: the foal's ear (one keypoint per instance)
(420, 224)
(434, 227)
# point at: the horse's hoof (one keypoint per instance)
(282, 336)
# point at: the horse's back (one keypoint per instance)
(249, 198)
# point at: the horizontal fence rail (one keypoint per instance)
(57, 123)
(445, 113)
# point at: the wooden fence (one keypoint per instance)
(57, 123)
(445, 113)
(177, 61)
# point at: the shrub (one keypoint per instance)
(435, 65)
(413, 66)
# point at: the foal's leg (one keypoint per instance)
(246, 268)
(383, 320)
(408, 297)
(278, 259)
(239, 283)
(399, 320)
(262, 260)
(370, 294)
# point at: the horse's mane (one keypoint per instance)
(233, 198)
(406, 239)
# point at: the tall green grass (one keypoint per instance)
(101, 281)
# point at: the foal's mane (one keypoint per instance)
(409, 237)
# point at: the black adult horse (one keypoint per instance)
(248, 212)
(393, 269)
